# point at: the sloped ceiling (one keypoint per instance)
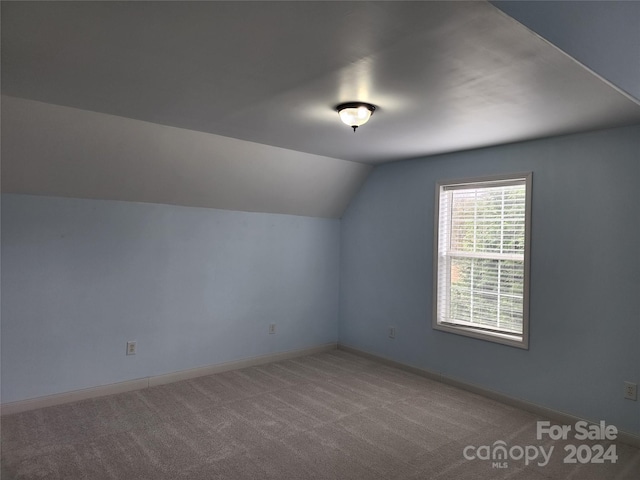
(98, 94)
(603, 35)
(60, 151)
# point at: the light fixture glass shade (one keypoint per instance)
(355, 114)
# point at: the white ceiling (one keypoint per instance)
(445, 76)
(65, 152)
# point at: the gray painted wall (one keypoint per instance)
(585, 287)
(602, 35)
(192, 286)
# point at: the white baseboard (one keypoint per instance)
(561, 417)
(73, 396)
(236, 365)
(146, 382)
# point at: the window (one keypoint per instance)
(481, 264)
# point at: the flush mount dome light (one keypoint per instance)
(355, 114)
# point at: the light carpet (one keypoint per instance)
(333, 415)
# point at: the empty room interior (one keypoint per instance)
(320, 240)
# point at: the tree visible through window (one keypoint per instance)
(481, 284)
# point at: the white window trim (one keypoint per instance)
(474, 332)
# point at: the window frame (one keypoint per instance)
(513, 340)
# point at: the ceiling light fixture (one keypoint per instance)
(355, 114)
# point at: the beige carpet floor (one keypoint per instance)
(333, 415)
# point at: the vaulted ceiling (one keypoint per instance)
(231, 104)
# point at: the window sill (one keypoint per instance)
(495, 337)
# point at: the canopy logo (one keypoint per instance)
(500, 454)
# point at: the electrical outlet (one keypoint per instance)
(630, 391)
(131, 348)
(272, 328)
(392, 332)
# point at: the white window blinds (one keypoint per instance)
(481, 255)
